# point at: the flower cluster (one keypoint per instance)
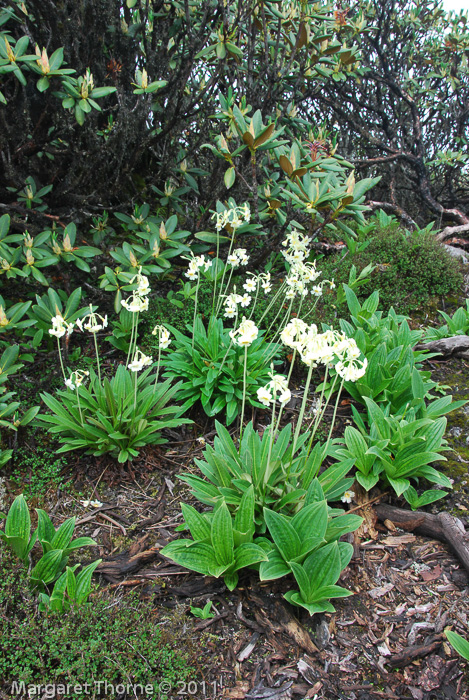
(297, 247)
(135, 303)
(232, 301)
(245, 334)
(265, 282)
(195, 264)
(277, 385)
(163, 336)
(292, 334)
(328, 348)
(351, 371)
(139, 299)
(93, 322)
(60, 326)
(234, 217)
(76, 378)
(140, 361)
(301, 273)
(238, 257)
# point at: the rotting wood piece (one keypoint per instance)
(406, 656)
(129, 561)
(457, 346)
(276, 617)
(443, 527)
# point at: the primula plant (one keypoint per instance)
(217, 367)
(401, 433)
(273, 485)
(57, 545)
(226, 367)
(116, 415)
(397, 449)
(457, 324)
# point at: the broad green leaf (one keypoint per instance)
(18, 522)
(83, 582)
(48, 567)
(341, 525)
(283, 534)
(368, 481)
(274, 567)
(45, 528)
(64, 534)
(248, 554)
(244, 519)
(311, 521)
(198, 525)
(294, 597)
(323, 566)
(196, 556)
(229, 177)
(458, 642)
(222, 536)
(305, 585)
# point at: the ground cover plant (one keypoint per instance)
(203, 296)
(95, 642)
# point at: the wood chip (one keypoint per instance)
(433, 574)
(381, 590)
(398, 540)
(247, 651)
(238, 692)
(284, 692)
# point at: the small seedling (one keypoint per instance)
(205, 612)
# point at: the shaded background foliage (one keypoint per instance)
(405, 115)
(400, 113)
(90, 171)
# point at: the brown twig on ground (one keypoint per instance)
(405, 657)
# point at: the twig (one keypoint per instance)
(372, 500)
(206, 623)
(114, 522)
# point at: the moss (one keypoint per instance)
(128, 642)
(410, 271)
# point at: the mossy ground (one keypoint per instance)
(118, 638)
